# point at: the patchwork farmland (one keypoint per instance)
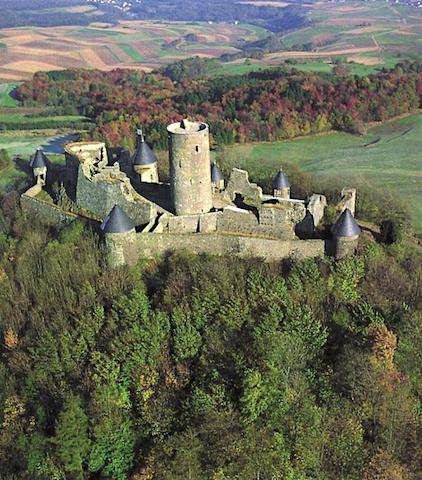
(369, 36)
(130, 44)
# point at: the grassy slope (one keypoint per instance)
(393, 162)
(24, 144)
(5, 99)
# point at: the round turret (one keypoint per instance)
(190, 173)
(120, 237)
(346, 235)
(144, 160)
(281, 185)
(39, 165)
(217, 178)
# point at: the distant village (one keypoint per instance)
(126, 7)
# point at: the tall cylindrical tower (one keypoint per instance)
(190, 172)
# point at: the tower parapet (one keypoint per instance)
(190, 171)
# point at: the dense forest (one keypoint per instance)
(197, 367)
(266, 105)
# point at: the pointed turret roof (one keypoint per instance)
(143, 155)
(117, 221)
(346, 225)
(281, 181)
(39, 159)
(185, 124)
(216, 174)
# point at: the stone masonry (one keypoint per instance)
(189, 212)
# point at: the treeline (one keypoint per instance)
(197, 367)
(262, 106)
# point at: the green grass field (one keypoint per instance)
(22, 119)
(389, 156)
(5, 99)
(132, 52)
(304, 66)
(24, 144)
(234, 69)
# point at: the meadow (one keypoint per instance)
(388, 156)
(24, 121)
(6, 99)
(24, 143)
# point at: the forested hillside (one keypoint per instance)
(205, 367)
(262, 106)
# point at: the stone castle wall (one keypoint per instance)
(100, 198)
(45, 211)
(151, 245)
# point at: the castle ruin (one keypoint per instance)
(142, 217)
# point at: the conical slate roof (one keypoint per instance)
(346, 225)
(39, 160)
(117, 221)
(143, 155)
(216, 174)
(281, 181)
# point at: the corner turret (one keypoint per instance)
(120, 237)
(144, 160)
(346, 235)
(39, 165)
(281, 185)
(217, 178)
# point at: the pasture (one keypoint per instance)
(389, 157)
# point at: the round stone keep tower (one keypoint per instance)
(190, 167)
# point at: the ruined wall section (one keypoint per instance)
(45, 211)
(279, 220)
(270, 221)
(99, 196)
